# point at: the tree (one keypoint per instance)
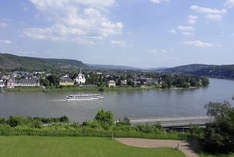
(204, 81)
(64, 119)
(105, 117)
(164, 85)
(219, 135)
(45, 82)
(54, 80)
(13, 121)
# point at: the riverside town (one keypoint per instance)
(99, 80)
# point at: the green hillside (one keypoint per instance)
(13, 62)
(215, 71)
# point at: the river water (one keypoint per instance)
(133, 104)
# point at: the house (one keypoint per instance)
(123, 82)
(2, 84)
(11, 83)
(111, 83)
(66, 81)
(157, 82)
(80, 79)
(27, 83)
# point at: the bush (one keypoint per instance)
(219, 135)
(105, 117)
(14, 121)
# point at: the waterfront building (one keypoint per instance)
(11, 83)
(123, 82)
(66, 81)
(2, 84)
(111, 83)
(27, 83)
(80, 79)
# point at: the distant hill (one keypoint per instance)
(112, 67)
(215, 71)
(13, 62)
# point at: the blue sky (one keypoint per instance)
(141, 33)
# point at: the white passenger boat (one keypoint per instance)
(84, 97)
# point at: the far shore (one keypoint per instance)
(84, 89)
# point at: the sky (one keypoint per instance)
(139, 33)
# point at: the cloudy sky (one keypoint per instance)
(141, 33)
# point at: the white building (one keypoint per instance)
(27, 83)
(80, 79)
(2, 84)
(111, 83)
(11, 83)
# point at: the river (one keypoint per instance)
(133, 104)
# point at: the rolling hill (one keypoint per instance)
(13, 62)
(215, 71)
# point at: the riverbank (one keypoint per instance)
(85, 89)
(75, 89)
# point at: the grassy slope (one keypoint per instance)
(11, 62)
(25, 146)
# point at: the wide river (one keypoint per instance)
(133, 104)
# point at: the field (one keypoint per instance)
(26, 146)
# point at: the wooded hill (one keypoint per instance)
(216, 71)
(13, 62)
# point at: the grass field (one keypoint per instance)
(26, 146)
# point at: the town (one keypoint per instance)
(99, 79)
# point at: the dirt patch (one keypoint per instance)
(149, 143)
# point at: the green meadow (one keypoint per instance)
(28, 146)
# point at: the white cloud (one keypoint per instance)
(207, 10)
(185, 28)
(82, 21)
(158, 1)
(187, 33)
(229, 4)
(156, 51)
(3, 25)
(119, 43)
(192, 19)
(214, 17)
(173, 31)
(5, 41)
(61, 3)
(201, 44)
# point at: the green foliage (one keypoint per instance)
(204, 81)
(215, 71)
(54, 80)
(218, 110)
(125, 121)
(14, 121)
(18, 63)
(219, 135)
(64, 119)
(102, 126)
(44, 82)
(195, 133)
(105, 117)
